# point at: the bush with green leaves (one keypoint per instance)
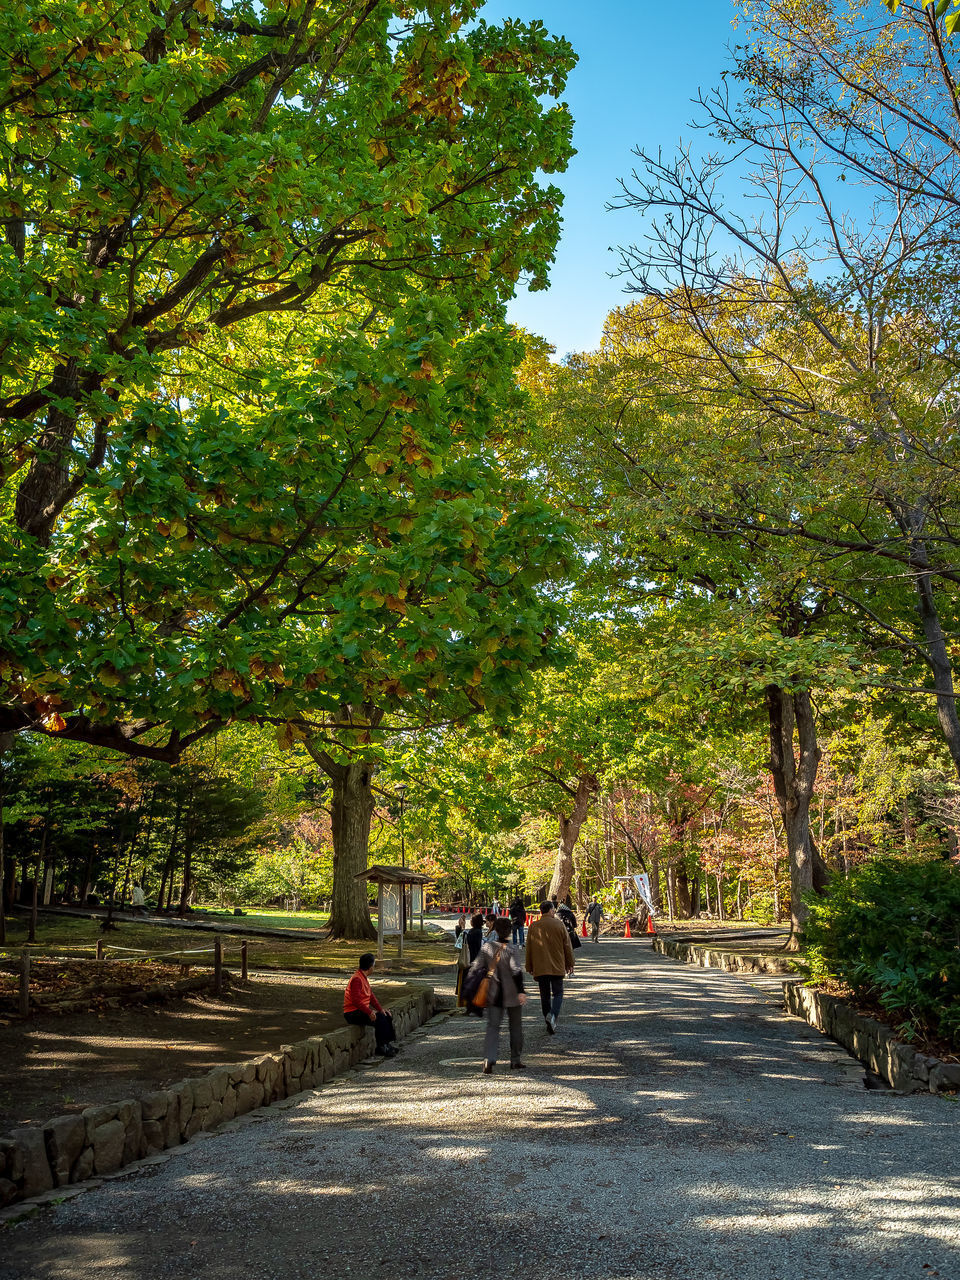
(891, 932)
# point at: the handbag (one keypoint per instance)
(483, 995)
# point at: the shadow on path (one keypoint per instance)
(679, 1126)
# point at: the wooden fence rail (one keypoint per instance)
(218, 951)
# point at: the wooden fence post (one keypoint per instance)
(24, 983)
(218, 964)
(99, 948)
(243, 960)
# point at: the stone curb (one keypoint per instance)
(42, 1164)
(690, 953)
(873, 1042)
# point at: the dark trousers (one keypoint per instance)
(382, 1028)
(492, 1037)
(551, 993)
(595, 930)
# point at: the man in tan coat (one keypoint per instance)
(549, 959)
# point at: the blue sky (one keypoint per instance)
(641, 63)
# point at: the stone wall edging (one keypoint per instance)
(103, 1139)
(691, 953)
(873, 1042)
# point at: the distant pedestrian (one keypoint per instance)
(549, 959)
(495, 907)
(474, 936)
(361, 1008)
(499, 960)
(518, 918)
(569, 921)
(472, 942)
(593, 917)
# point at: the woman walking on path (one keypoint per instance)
(472, 942)
(499, 960)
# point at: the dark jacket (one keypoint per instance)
(569, 922)
(509, 976)
(518, 912)
(474, 939)
(566, 917)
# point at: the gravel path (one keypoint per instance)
(678, 1127)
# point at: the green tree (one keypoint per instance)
(824, 344)
(229, 380)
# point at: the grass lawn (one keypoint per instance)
(74, 937)
(270, 918)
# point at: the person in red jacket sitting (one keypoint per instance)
(361, 1008)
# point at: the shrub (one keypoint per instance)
(891, 932)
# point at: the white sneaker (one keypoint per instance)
(551, 1024)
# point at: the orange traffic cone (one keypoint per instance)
(583, 929)
(650, 928)
(626, 932)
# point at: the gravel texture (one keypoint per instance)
(679, 1126)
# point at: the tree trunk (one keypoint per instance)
(170, 862)
(794, 757)
(681, 892)
(351, 813)
(187, 884)
(87, 876)
(5, 740)
(938, 657)
(655, 890)
(41, 492)
(569, 834)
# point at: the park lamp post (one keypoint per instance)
(401, 790)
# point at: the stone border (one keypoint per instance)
(101, 1140)
(690, 953)
(873, 1042)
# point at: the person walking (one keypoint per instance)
(472, 942)
(361, 1007)
(593, 917)
(495, 906)
(499, 960)
(549, 959)
(567, 918)
(518, 918)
